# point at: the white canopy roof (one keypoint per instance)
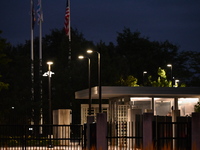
(109, 92)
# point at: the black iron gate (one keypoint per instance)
(41, 137)
(125, 135)
(174, 135)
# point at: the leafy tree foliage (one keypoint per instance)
(129, 81)
(142, 54)
(161, 81)
(197, 107)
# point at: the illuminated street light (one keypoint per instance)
(89, 86)
(49, 74)
(99, 77)
(144, 72)
(49, 63)
(170, 65)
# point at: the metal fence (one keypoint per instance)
(121, 135)
(175, 135)
(41, 137)
(125, 135)
(171, 135)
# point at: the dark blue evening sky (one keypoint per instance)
(175, 20)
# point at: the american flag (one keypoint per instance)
(39, 12)
(67, 19)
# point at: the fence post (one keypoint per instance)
(132, 112)
(195, 131)
(147, 130)
(101, 131)
(90, 120)
(175, 114)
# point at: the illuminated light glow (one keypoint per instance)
(163, 101)
(140, 98)
(49, 73)
(49, 63)
(169, 65)
(186, 100)
(81, 57)
(30, 129)
(73, 146)
(96, 90)
(89, 51)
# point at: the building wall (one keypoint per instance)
(94, 111)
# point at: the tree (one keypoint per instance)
(161, 81)
(197, 107)
(129, 81)
(142, 54)
(3, 60)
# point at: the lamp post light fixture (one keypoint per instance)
(49, 73)
(99, 77)
(89, 85)
(144, 72)
(49, 63)
(170, 65)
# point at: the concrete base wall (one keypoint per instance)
(101, 131)
(147, 130)
(62, 117)
(90, 120)
(196, 131)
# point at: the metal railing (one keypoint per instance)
(125, 135)
(129, 135)
(121, 135)
(176, 135)
(41, 137)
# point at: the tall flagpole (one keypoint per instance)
(40, 19)
(69, 33)
(32, 60)
(68, 29)
(67, 25)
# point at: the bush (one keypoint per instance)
(197, 107)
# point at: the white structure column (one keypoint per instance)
(132, 112)
(62, 117)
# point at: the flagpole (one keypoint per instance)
(68, 29)
(32, 62)
(40, 18)
(69, 58)
(67, 25)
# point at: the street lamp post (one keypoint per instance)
(49, 74)
(89, 85)
(170, 65)
(49, 63)
(144, 72)
(99, 77)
